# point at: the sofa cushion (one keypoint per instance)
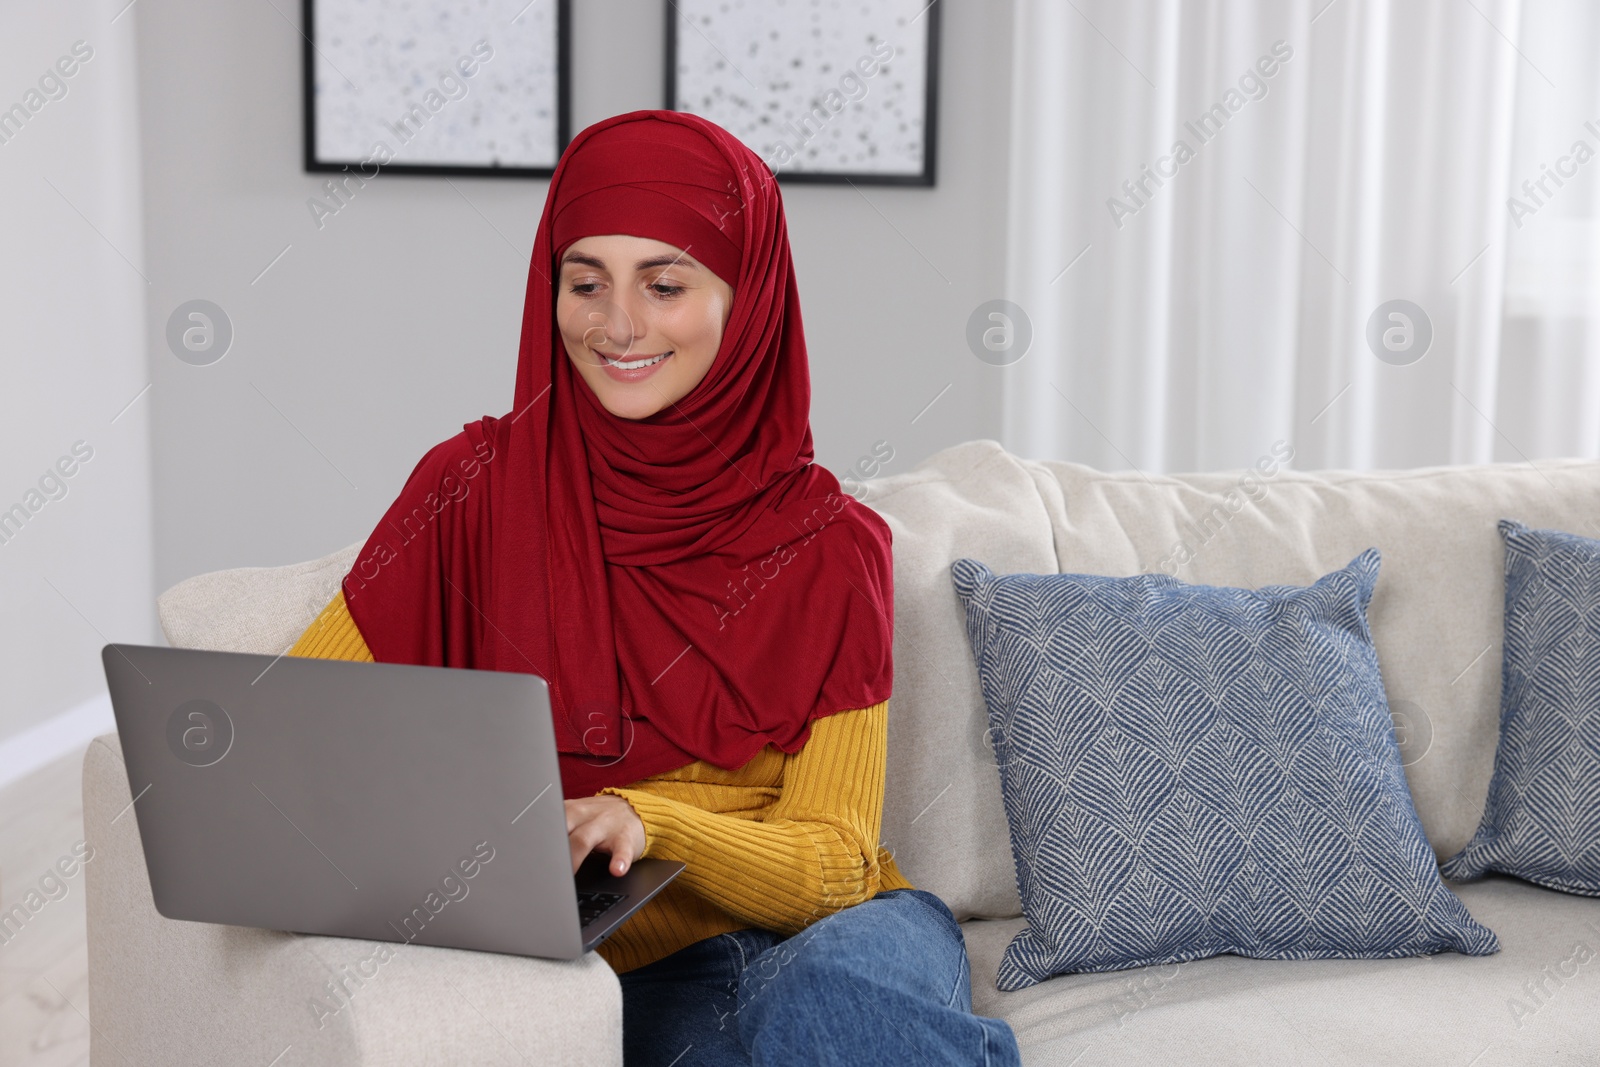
(1535, 1002)
(251, 609)
(1542, 822)
(1191, 770)
(1436, 614)
(942, 815)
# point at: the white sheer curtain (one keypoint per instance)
(1352, 153)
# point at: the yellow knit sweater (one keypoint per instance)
(777, 843)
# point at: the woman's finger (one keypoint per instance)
(583, 835)
(619, 848)
(604, 827)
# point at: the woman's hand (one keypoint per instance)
(606, 823)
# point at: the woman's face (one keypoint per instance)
(640, 319)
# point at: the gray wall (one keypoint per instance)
(383, 332)
(78, 572)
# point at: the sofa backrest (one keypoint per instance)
(943, 816)
(1436, 615)
(252, 609)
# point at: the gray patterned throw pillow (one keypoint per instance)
(1192, 770)
(1542, 820)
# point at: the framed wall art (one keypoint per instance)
(436, 87)
(821, 90)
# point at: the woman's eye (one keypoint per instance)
(584, 288)
(667, 290)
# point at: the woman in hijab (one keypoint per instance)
(646, 531)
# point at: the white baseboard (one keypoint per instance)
(60, 735)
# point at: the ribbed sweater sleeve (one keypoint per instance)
(813, 852)
(333, 635)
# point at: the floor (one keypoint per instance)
(44, 968)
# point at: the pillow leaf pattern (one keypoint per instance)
(1542, 819)
(1193, 770)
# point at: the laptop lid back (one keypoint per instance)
(380, 801)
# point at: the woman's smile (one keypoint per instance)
(632, 369)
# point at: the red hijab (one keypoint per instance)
(691, 585)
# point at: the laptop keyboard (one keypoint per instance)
(593, 905)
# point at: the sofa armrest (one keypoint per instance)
(165, 991)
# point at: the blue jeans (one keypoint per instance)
(884, 981)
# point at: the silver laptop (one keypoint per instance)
(380, 801)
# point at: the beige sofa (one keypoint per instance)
(173, 993)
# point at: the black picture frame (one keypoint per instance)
(928, 176)
(314, 165)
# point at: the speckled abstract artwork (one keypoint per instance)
(468, 83)
(816, 86)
